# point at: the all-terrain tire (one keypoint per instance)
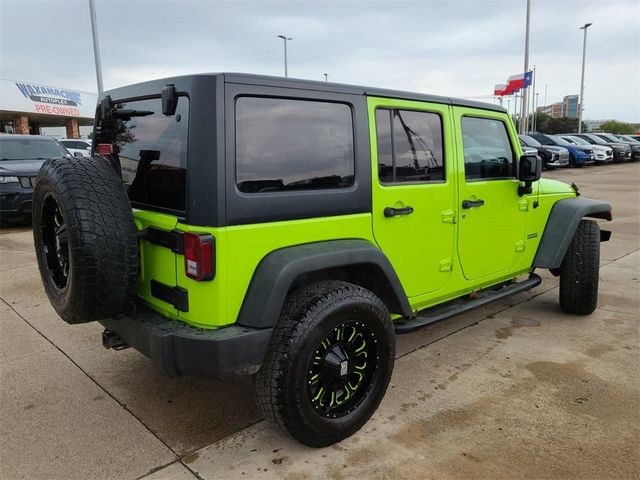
(310, 315)
(579, 272)
(85, 238)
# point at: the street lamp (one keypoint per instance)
(284, 39)
(326, 77)
(584, 52)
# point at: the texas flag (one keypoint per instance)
(500, 89)
(518, 82)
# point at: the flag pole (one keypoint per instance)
(533, 96)
(526, 68)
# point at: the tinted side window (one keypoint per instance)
(285, 144)
(487, 150)
(152, 149)
(409, 146)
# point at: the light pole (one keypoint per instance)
(96, 44)
(535, 113)
(284, 39)
(584, 53)
(326, 77)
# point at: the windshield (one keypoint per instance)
(560, 141)
(577, 140)
(30, 149)
(529, 141)
(608, 138)
(596, 139)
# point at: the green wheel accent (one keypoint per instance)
(340, 370)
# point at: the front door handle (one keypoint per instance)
(472, 203)
(392, 212)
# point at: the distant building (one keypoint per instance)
(568, 107)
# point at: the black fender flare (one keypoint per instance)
(561, 225)
(278, 271)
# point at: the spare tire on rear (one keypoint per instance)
(85, 238)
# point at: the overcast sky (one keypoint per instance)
(454, 48)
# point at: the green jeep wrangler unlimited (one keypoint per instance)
(234, 224)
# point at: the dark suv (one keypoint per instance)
(553, 156)
(21, 156)
(635, 146)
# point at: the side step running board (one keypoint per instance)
(449, 309)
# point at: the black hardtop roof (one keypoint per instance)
(155, 86)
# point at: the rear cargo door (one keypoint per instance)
(151, 150)
(157, 259)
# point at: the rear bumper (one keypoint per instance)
(180, 349)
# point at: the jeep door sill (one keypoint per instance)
(440, 312)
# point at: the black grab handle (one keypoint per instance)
(472, 203)
(392, 212)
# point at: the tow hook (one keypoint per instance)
(111, 339)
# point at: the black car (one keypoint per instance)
(621, 151)
(635, 146)
(552, 156)
(20, 159)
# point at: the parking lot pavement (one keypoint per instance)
(516, 389)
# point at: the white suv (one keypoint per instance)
(601, 153)
(77, 146)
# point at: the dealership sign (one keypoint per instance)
(25, 97)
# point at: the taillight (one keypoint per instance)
(199, 258)
(104, 149)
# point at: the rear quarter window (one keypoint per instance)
(288, 144)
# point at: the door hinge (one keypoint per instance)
(176, 296)
(446, 265)
(171, 239)
(448, 216)
(520, 246)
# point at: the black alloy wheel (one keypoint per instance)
(342, 369)
(55, 242)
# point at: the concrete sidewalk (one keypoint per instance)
(514, 390)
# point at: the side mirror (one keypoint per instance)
(529, 171)
(78, 154)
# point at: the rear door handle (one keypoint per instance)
(472, 203)
(392, 212)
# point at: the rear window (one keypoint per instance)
(152, 150)
(285, 144)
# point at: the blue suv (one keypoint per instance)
(578, 155)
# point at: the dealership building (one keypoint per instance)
(28, 108)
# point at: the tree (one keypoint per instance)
(613, 126)
(558, 125)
